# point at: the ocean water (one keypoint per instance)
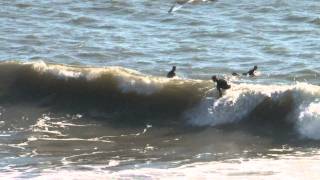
(84, 93)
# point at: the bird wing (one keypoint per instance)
(175, 7)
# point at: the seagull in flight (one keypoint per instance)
(180, 3)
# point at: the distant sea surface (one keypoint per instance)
(84, 93)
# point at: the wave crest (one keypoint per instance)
(119, 93)
(275, 105)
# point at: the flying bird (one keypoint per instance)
(180, 3)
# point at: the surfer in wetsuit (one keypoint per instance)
(221, 84)
(172, 73)
(250, 72)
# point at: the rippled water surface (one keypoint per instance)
(280, 36)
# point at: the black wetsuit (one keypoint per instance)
(171, 74)
(251, 72)
(222, 84)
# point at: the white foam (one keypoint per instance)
(113, 163)
(58, 70)
(237, 103)
(140, 85)
(290, 167)
(128, 80)
(309, 121)
(234, 106)
(242, 99)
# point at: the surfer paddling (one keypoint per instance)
(172, 73)
(251, 72)
(221, 84)
(180, 3)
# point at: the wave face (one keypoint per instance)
(110, 91)
(117, 93)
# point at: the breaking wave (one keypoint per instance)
(295, 107)
(104, 92)
(119, 93)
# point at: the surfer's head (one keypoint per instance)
(255, 67)
(173, 68)
(214, 78)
